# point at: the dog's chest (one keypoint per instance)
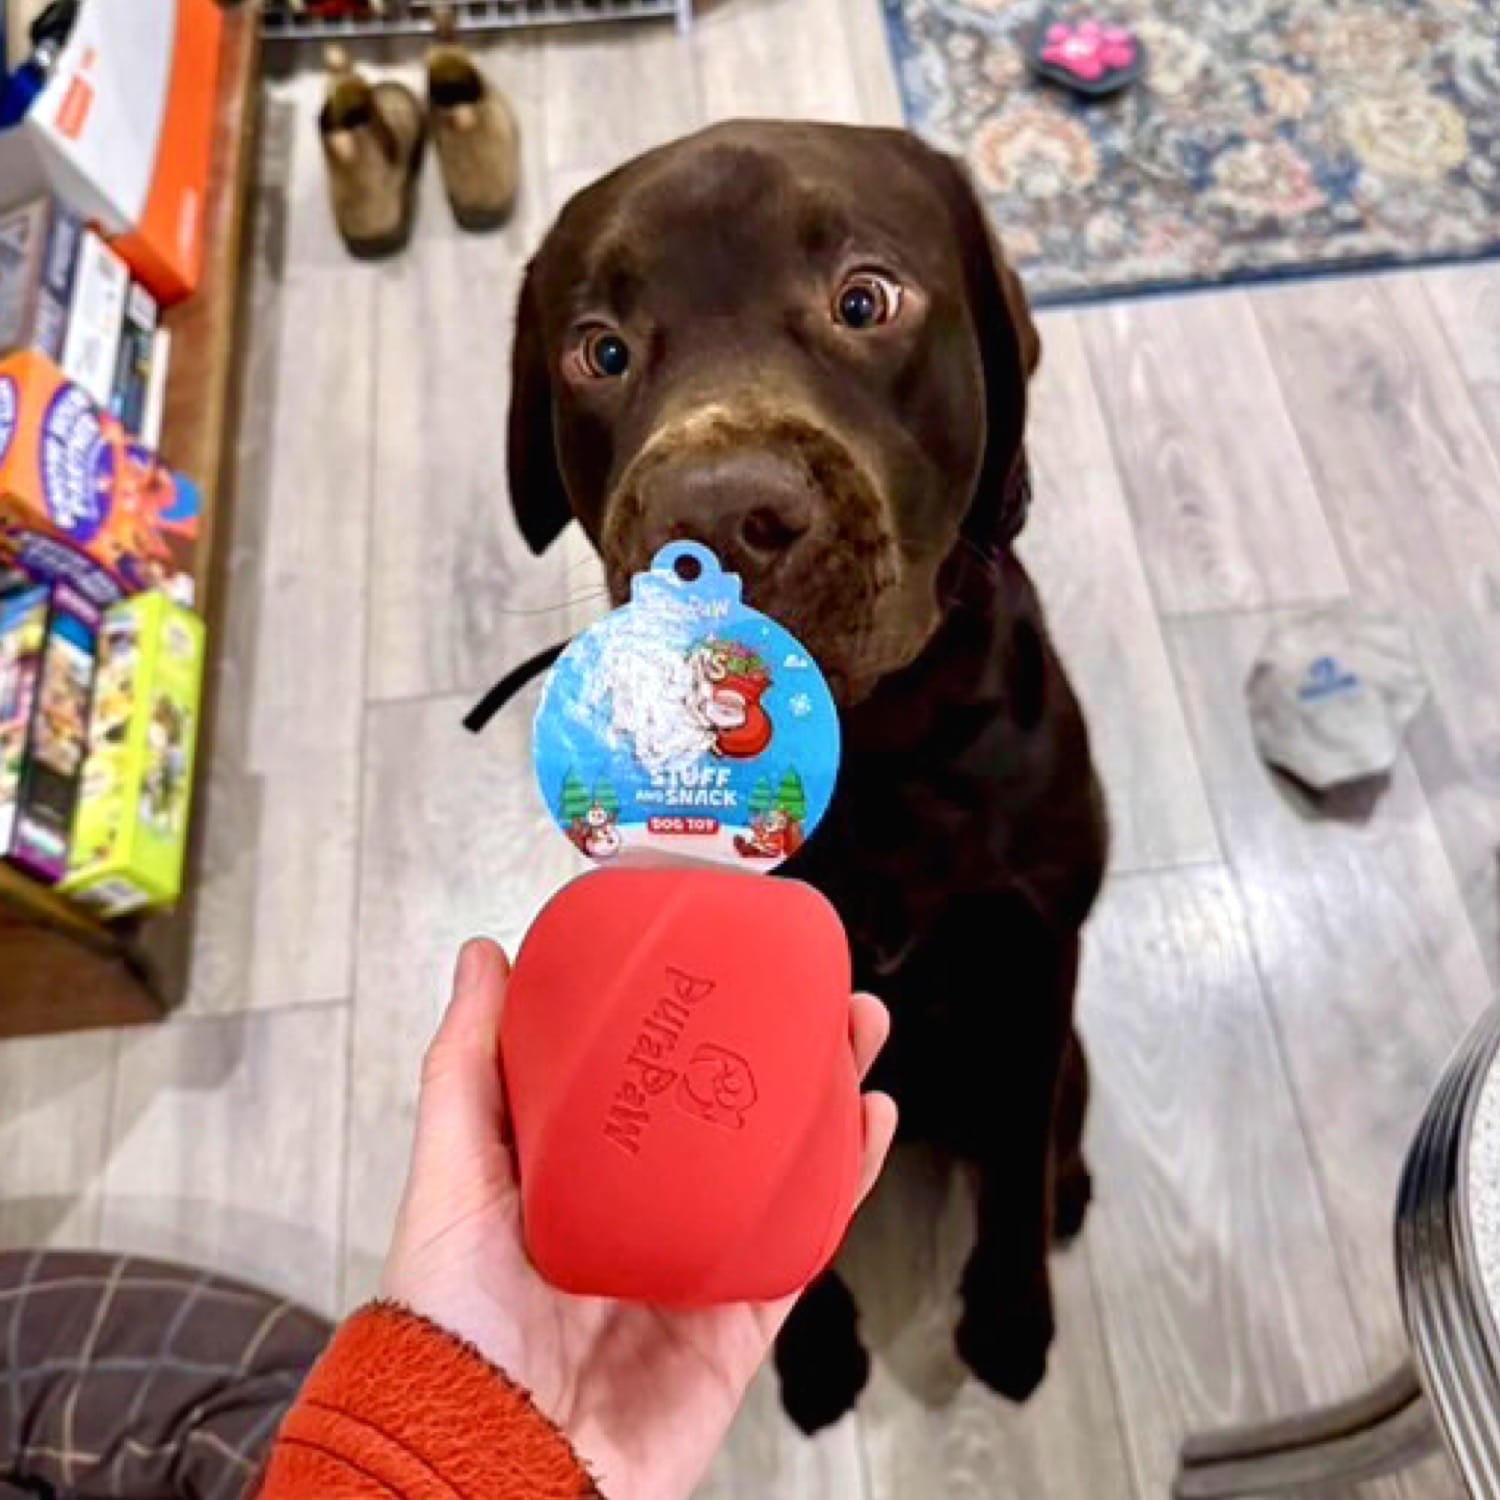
(895, 849)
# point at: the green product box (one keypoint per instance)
(130, 829)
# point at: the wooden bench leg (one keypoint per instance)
(1386, 1428)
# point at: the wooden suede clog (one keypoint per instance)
(474, 132)
(372, 142)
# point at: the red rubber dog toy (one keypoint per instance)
(683, 1097)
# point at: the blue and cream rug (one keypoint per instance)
(1268, 137)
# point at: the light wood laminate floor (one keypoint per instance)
(1268, 993)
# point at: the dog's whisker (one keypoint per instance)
(549, 609)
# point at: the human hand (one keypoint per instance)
(645, 1394)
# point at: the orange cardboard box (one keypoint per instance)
(123, 133)
(81, 502)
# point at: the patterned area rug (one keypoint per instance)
(1268, 136)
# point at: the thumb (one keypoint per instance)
(462, 1120)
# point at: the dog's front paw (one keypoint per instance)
(1006, 1344)
(819, 1383)
(1075, 1192)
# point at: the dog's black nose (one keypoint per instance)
(752, 507)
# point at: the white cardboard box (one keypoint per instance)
(95, 317)
(122, 132)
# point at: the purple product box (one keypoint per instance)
(48, 649)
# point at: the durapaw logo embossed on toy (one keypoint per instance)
(687, 721)
(10, 406)
(717, 1086)
(647, 1072)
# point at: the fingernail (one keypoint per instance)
(470, 965)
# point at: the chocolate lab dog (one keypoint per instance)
(800, 345)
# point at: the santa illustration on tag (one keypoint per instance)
(729, 680)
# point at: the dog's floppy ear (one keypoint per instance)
(537, 493)
(1019, 308)
(1010, 349)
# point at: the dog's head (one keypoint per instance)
(796, 343)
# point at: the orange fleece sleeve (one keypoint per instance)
(397, 1409)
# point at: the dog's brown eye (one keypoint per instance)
(866, 300)
(604, 355)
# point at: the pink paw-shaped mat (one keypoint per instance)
(1091, 56)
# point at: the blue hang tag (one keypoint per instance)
(689, 723)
